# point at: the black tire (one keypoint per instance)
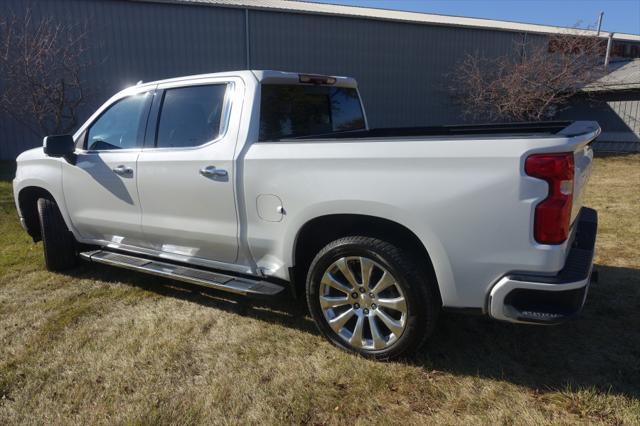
(58, 242)
(411, 276)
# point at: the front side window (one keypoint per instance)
(289, 111)
(120, 126)
(190, 116)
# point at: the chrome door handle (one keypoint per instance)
(211, 171)
(122, 170)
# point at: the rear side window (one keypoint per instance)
(120, 126)
(190, 116)
(288, 111)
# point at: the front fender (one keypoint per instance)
(37, 170)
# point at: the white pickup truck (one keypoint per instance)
(254, 182)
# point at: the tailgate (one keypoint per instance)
(581, 135)
(583, 160)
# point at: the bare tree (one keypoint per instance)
(533, 82)
(42, 64)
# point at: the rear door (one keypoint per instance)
(100, 189)
(186, 171)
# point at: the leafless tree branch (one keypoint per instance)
(42, 65)
(532, 82)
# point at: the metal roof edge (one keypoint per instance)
(296, 6)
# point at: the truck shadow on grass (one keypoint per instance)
(278, 310)
(599, 351)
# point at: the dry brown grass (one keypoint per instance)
(101, 345)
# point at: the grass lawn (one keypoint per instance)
(102, 345)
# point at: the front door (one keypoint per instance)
(185, 176)
(100, 188)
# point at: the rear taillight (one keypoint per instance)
(553, 214)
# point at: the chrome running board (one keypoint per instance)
(203, 277)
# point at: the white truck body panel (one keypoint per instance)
(105, 206)
(468, 209)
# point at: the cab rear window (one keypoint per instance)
(290, 111)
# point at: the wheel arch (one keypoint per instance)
(321, 230)
(28, 207)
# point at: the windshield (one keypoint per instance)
(289, 111)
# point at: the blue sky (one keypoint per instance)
(619, 15)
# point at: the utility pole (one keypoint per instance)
(600, 23)
(607, 56)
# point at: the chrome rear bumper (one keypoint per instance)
(539, 299)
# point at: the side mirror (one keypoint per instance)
(59, 146)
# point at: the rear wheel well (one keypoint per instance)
(28, 205)
(320, 231)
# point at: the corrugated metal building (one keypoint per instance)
(613, 101)
(401, 59)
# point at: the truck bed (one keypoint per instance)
(526, 128)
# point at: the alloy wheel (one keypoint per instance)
(363, 303)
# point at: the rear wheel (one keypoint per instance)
(58, 242)
(370, 297)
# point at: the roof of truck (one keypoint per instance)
(263, 76)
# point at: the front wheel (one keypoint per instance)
(369, 296)
(58, 242)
